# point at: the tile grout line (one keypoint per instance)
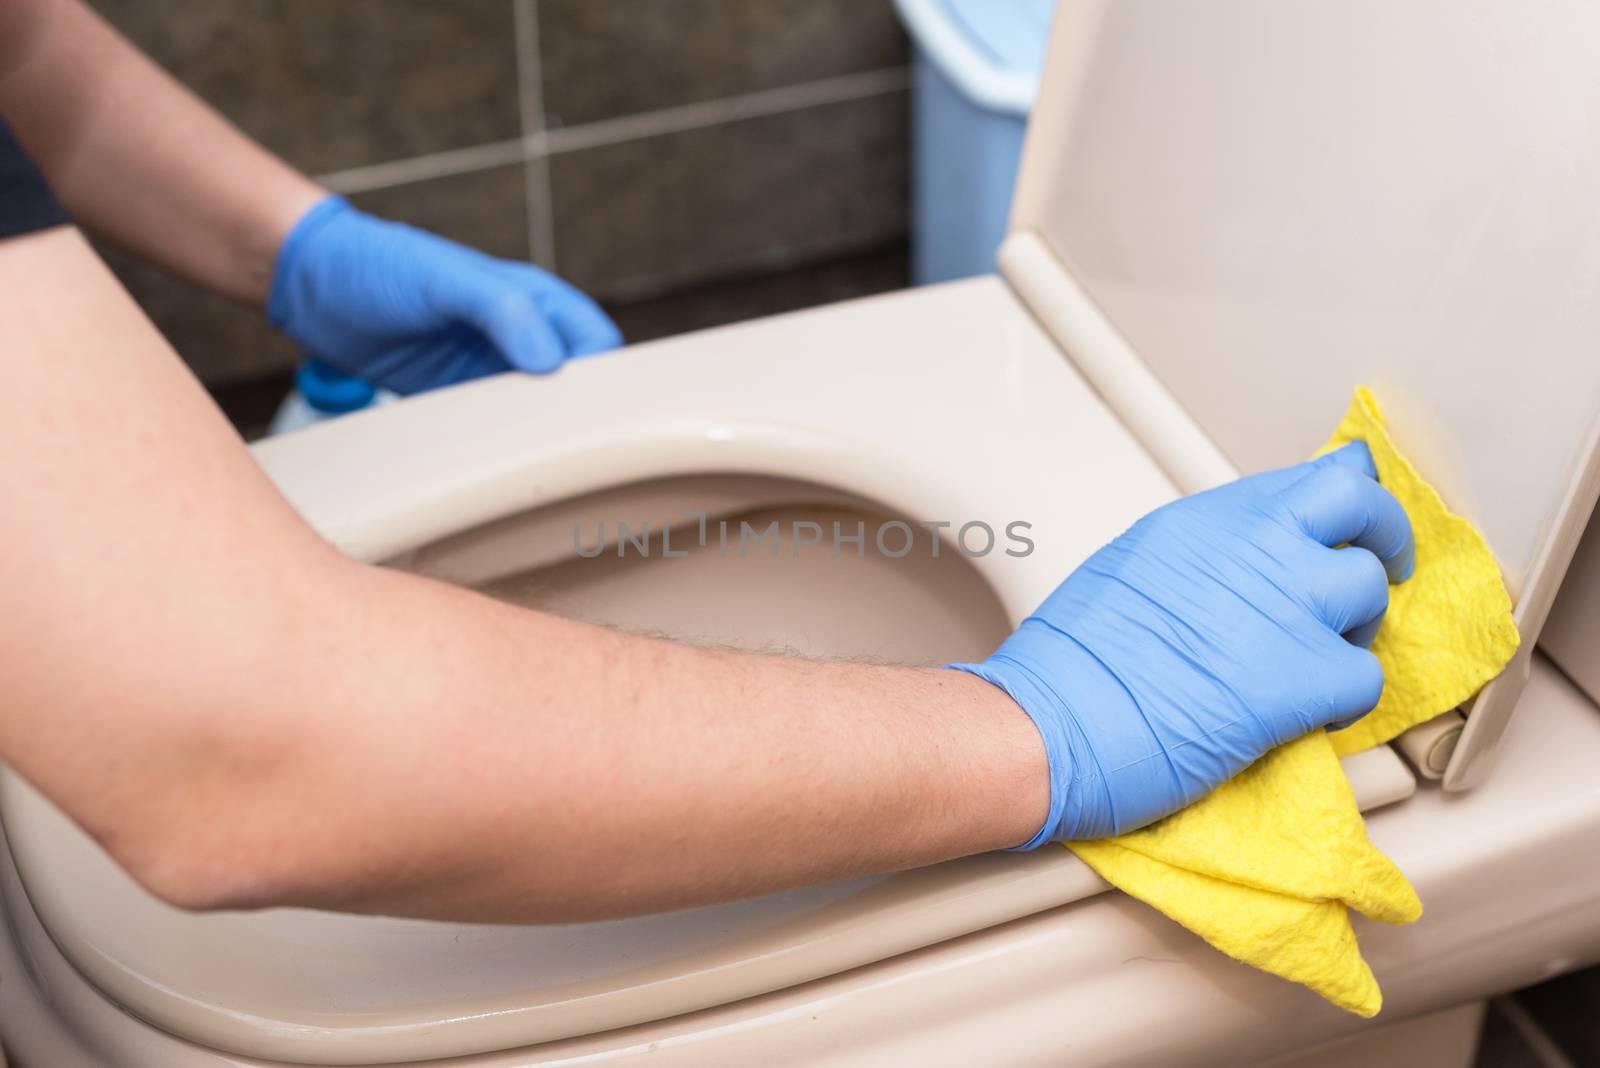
(725, 109)
(539, 144)
(535, 166)
(419, 168)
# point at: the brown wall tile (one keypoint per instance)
(734, 300)
(485, 209)
(643, 216)
(332, 84)
(606, 58)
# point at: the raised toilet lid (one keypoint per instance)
(1270, 202)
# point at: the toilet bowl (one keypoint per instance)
(1203, 263)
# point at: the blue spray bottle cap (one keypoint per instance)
(330, 390)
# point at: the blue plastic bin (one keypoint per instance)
(975, 79)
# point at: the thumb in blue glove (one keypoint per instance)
(1216, 628)
(410, 311)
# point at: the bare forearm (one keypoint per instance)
(417, 749)
(140, 160)
(537, 768)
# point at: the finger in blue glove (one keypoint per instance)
(410, 311)
(1214, 629)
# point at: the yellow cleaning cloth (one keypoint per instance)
(1267, 866)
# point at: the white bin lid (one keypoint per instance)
(992, 50)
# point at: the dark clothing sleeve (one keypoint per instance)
(26, 203)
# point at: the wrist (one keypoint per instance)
(1009, 760)
(259, 237)
(286, 278)
(1056, 683)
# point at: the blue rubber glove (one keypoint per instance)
(1214, 629)
(409, 311)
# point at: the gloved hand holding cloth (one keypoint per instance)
(1207, 648)
(1216, 628)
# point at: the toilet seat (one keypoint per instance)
(934, 402)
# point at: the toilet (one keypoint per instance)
(1229, 215)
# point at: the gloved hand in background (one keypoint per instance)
(409, 311)
(1214, 629)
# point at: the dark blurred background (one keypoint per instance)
(688, 163)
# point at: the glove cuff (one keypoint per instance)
(282, 298)
(1021, 690)
(1080, 796)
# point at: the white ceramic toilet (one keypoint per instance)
(1229, 216)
